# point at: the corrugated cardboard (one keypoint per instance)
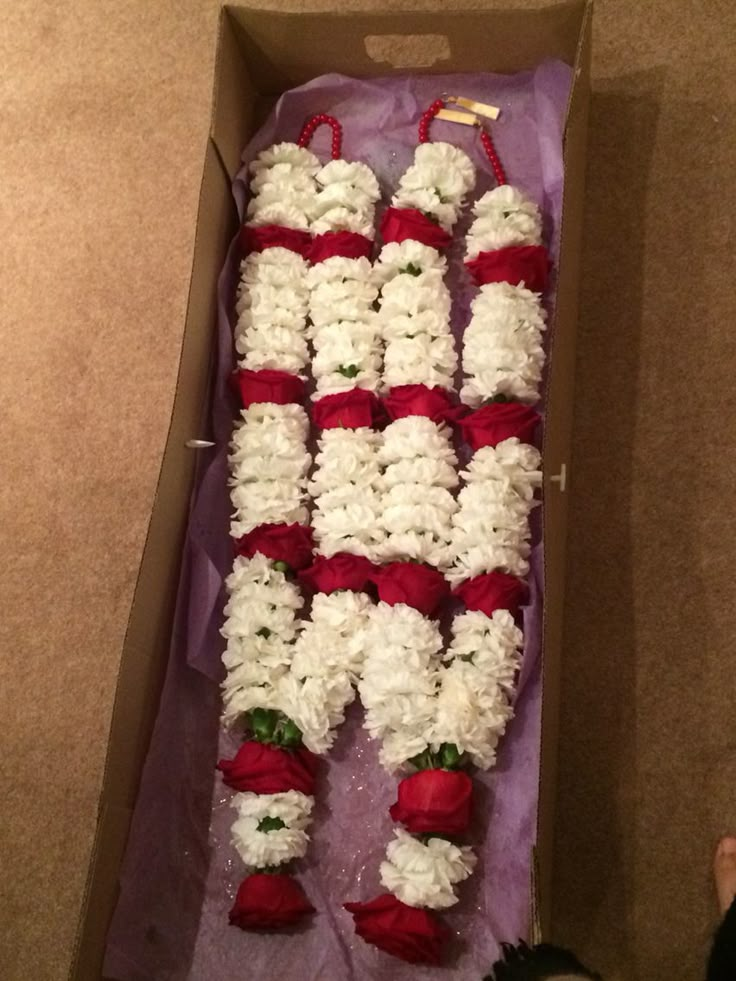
(260, 54)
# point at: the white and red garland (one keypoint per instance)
(384, 512)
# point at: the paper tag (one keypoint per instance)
(490, 112)
(453, 116)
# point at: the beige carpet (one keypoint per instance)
(102, 129)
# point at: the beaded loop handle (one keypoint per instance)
(313, 123)
(485, 138)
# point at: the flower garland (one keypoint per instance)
(441, 712)
(288, 679)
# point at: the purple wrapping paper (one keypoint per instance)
(178, 878)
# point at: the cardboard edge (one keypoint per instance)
(133, 714)
(556, 453)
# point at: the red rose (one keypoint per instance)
(417, 585)
(266, 385)
(419, 400)
(498, 421)
(527, 264)
(346, 410)
(263, 769)
(347, 244)
(493, 591)
(414, 935)
(282, 543)
(340, 571)
(436, 801)
(267, 902)
(399, 224)
(262, 237)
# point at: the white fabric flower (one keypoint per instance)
(422, 873)
(504, 217)
(260, 847)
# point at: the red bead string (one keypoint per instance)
(427, 118)
(485, 138)
(312, 124)
(498, 172)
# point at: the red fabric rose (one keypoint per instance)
(417, 585)
(498, 421)
(493, 591)
(351, 245)
(282, 543)
(262, 237)
(263, 769)
(419, 400)
(340, 571)
(346, 410)
(436, 801)
(528, 264)
(399, 224)
(266, 385)
(268, 902)
(414, 935)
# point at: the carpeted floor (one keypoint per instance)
(105, 110)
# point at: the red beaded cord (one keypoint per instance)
(498, 172)
(313, 123)
(427, 118)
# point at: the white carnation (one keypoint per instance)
(422, 873)
(430, 323)
(504, 217)
(397, 258)
(286, 153)
(342, 220)
(446, 157)
(355, 175)
(316, 705)
(261, 848)
(283, 175)
(421, 470)
(337, 268)
(416, 436)
(333, 640)
(428, 201)
(284, 214)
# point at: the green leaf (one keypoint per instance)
(270, 824)
(263, 723)
(349, 370)
(263, 632)
(289, 734)
(449, 756)
(424, 761)
(281, 566)
(411, 269)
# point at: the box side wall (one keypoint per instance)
(146, 648)
(557, 445)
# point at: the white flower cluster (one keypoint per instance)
(345, 330)
(268, 466)
(502, 345)
(260, 627)
(328, 657)
(272, 297)
(346, 200)
(399, 681)
(490, 529)
(272, 303)
(436, 183)
(414, 316)
(422, 873)
(416, 508)
(344, 487)
(473, 701)
(271, 828)
(283, 187)
(503, 217)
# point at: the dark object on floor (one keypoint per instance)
(538, 963)
(722, 960)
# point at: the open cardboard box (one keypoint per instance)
(261, 53)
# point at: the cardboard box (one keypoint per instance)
(260, 53)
